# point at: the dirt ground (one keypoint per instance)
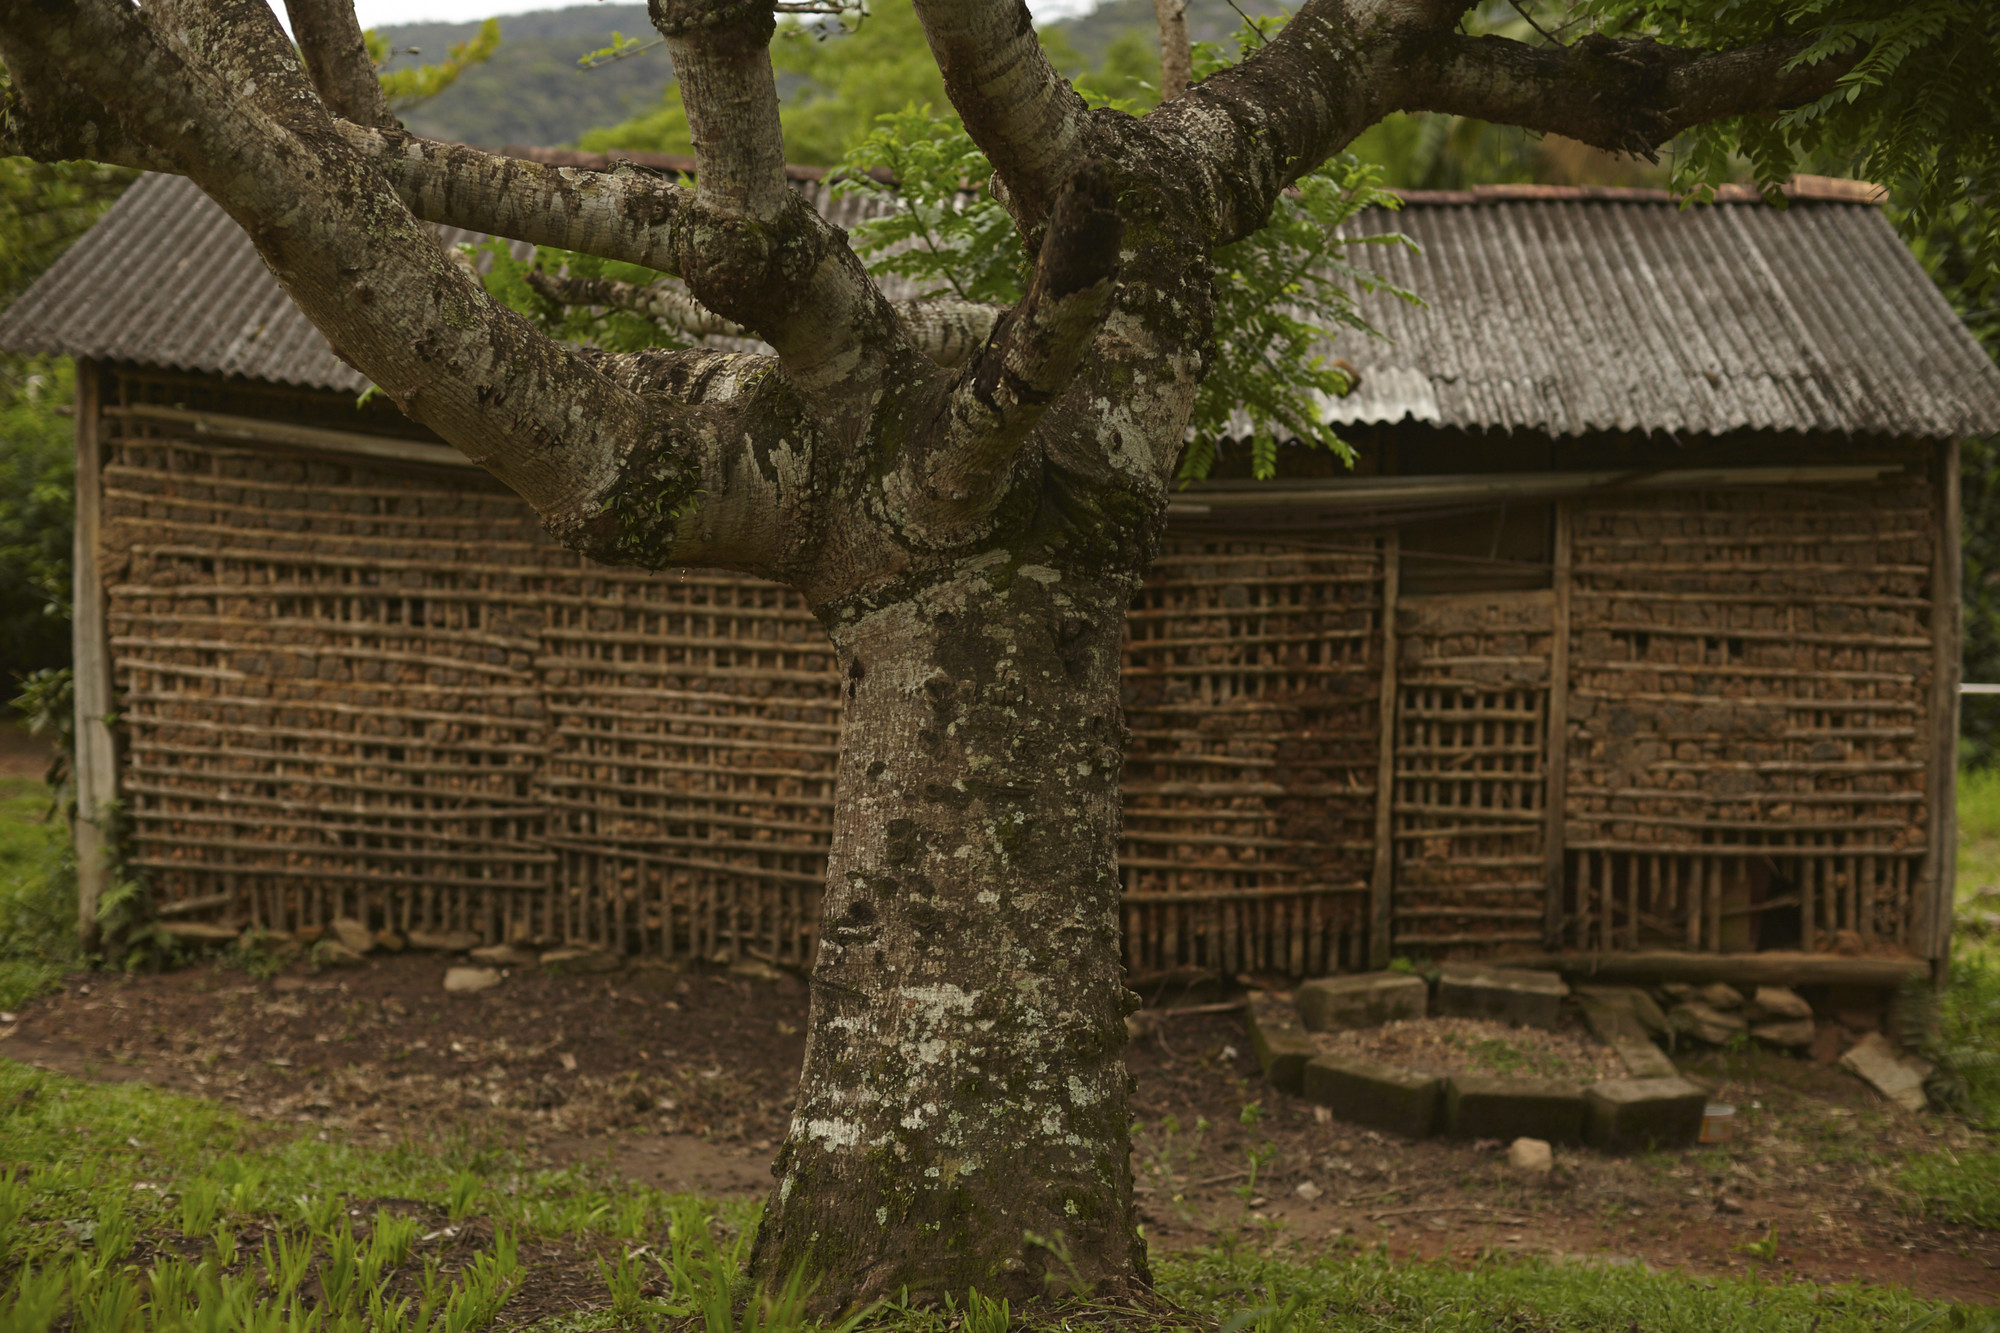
(684, 1080)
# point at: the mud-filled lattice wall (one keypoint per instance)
(359, 687)
(1750, 699)
(351, 688)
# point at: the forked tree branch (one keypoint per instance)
(750, 248)
(371, 277)
(238, 44)
(1020, 110)
(1030, 359)
(336, 55)
(947, 331)
(1340, 65)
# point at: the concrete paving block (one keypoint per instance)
(1511, 1108)
(1380, 1096)
(1279, 1042)
(1629, 1113)
(1505, 994)
(1367, 1000)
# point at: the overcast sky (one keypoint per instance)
(383, 13)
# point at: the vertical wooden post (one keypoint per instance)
(1555, 767)
(96, 757)
(1385, 761)
(1934, 910)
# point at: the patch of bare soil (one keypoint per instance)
(1479, 1046)
(685, 1081)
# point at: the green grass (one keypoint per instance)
(131, 1208)
(37, 894)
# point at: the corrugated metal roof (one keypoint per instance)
(1575, 315)
(1560, 311)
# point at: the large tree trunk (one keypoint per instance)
(962, 1116)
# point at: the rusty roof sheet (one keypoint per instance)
(1552, 310)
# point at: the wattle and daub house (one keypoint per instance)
(1633, 633)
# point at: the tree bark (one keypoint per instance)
(961, 1119)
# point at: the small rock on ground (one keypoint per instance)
(471, 978)
(1531, 1157)
(353, 934)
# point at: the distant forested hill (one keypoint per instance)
(531, 91)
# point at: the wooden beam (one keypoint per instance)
(1556, 765)
(1931, 931)
(1385, 762)
(96, 750)
(1365, 493)
(1735, 969)
(256, 430)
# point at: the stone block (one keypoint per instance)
(1380, 1096)
(1505, 994)
(505, 955)
(444, 941)
(1897, 1077)
(1717, 995)
(1279, 1042)
(1336, 1004)
(1644, 1009)
(353, 934)
(569, 961)
(1792, 1033)
(1705, 1023)
(1773, 1003)
(467, 979)
(1509, 1108)
(1642, 1059)
(1627, 1113)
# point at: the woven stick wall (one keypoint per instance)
(1251, 677)
(354, 689)
(366, 689)
(1750, 700)
(1470, 742)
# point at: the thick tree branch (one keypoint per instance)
(370, 276)
(46, 117)
(1027, 363)
(1340, 65)
(336, 56)
(626, 214)
(1020, 110)
(947, 331)
(1625, 96)
(750, 248)
(1176, 52)
(239, 45)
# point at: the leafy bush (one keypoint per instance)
(37, 505)
(38, 940)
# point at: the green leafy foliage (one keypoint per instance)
(1917, 109)
(37, 894)
(406, 88)
(505, 278)
(37, 502)
(948, 235)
